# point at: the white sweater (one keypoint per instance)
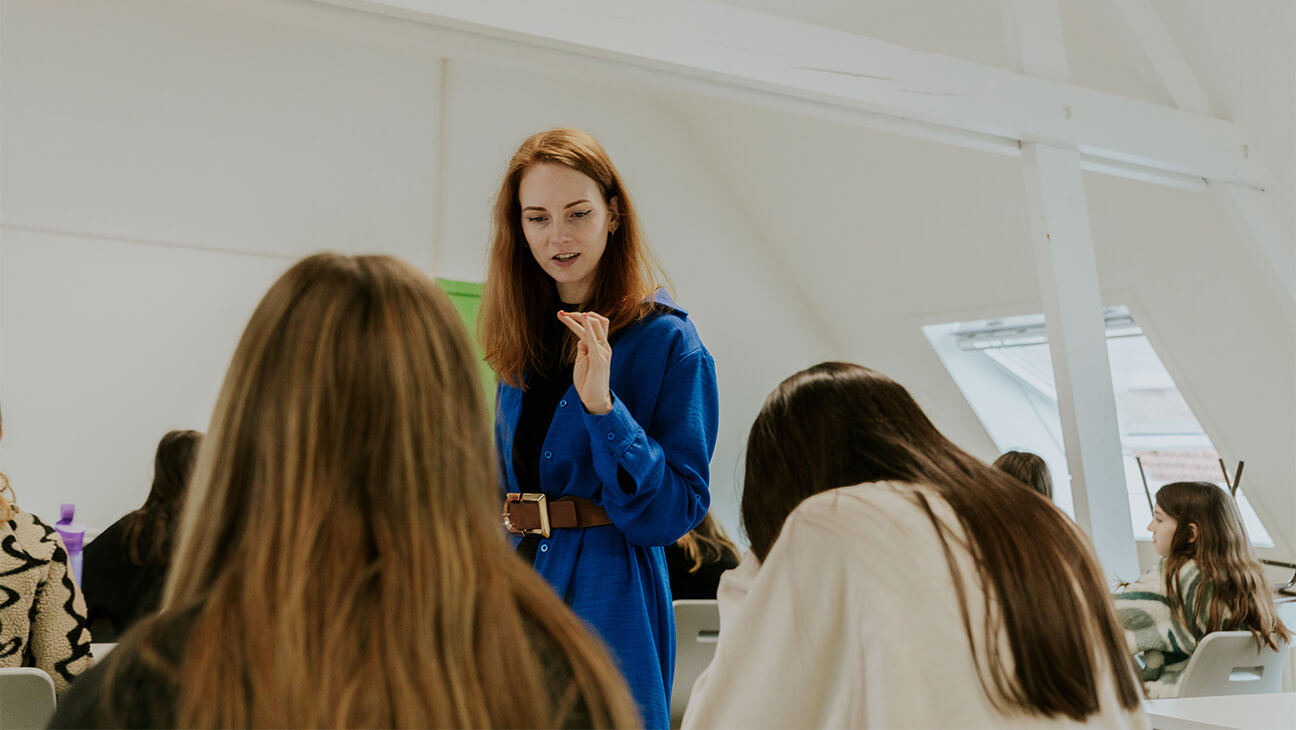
(42, 612)
(853, 621)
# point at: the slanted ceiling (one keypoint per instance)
(881, 232)
(929, 232)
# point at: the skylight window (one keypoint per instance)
(1004, 369)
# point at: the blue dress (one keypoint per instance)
(647, 463)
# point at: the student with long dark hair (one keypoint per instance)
(1029, 469)
(1208, 579)
(897, 581)
(340, 559)
(125, 567)
(608, 408)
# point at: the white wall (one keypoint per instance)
(163, 163)
(148, 203)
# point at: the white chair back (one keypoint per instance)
(1227, 663)
(697, 628)
(26, 698)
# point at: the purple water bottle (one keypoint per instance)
(73, 534)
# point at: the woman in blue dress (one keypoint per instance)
(607, 405)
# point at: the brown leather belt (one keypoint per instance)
(532, 513)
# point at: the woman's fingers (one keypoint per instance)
(600, 325)
(574, 322)
(590, 327)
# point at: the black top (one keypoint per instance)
(703, 583)
(146, 695)
(117, 591)
(545, 388)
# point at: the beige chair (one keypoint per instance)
(26, 698)
(697, 628)
(1227, 663)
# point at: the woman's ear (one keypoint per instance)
(1192, 532)
(614, 212)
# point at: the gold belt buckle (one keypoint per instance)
(543, 506)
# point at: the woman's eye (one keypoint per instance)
(581, 213)
(535, 219)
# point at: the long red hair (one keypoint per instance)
(519, 298)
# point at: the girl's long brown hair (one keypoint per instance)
(150, 530)
(1029, 469)
(1234, 593)
(838, 424)
(707, 543)
(340, 551)
(519, 299)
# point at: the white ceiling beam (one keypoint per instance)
(813, 68)
(1067, 267)
(1254, 214)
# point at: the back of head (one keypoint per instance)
(339, 550)
(838, 424)
(1027, 468)
(520, 299)
(149, 532)
(707, 543)
(831, 425)
(1210, 531)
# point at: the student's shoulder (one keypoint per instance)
(559, 674)
(868, 503)
(665, 331)
(135, 685)
(33, 536)
(113, 536)
(873, 519)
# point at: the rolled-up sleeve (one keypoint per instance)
(655, 478)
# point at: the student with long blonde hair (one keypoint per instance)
(1208, 579)
(340, 558)
(697, 560)
(42, 611)
(607, 409)
(895, 580)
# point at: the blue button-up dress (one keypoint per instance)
(647, 462)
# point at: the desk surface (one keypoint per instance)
(1237, 712)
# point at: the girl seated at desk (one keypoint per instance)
(1207, 580)
(896, 581)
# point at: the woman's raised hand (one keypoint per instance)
(592, 371)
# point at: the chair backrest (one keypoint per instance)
(1227, 663)
(697, 628)
(26, 698)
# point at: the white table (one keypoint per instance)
(1236, 712)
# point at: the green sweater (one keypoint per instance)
(1162, 643)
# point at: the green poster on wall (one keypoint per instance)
(466, 298)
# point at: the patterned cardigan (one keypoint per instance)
(1162, 642)
(42, 611)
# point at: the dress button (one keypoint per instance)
(562, 403)
(544, 547)
(611, 435)
(548, 454)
